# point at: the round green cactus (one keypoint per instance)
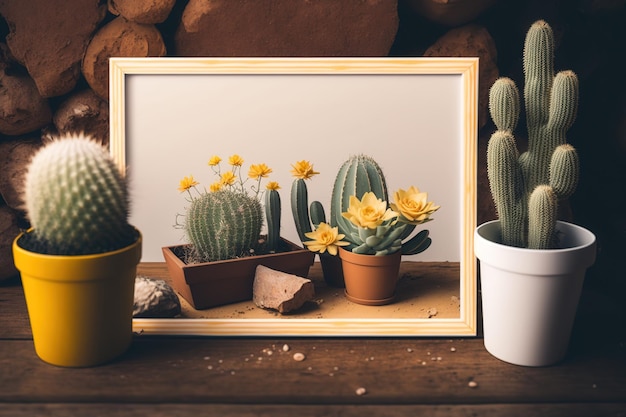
(223, 224)
(76, 199)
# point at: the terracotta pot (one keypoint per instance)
(210, 284)
(370, 280)
(331, 268)
(80, 307)
(530, 296)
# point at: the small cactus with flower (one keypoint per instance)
(225, 220)
(360, 213)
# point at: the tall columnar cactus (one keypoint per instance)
(272, 216)
(358, 175)
(223, 224)
(528, 187)
(76, 199)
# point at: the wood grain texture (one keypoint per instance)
(308, 410)
(185, 376)
(235, 371)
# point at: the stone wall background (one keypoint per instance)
(54, 63)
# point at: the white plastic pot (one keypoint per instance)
(530, 296)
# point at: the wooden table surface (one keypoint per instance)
(191, 376)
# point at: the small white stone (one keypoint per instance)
(286, 348)
(361, 391)
(409, 350)
(299, 357)
(453, 349)
(472, 384)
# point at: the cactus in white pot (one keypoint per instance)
(528, 257)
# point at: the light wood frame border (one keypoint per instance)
(466, 68)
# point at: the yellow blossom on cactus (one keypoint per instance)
(325, 238)
(413, 205)
(272, 185)
(228, 178)
(215, 160)
(216, 186)
(303, 170)
(369, 212)
(186, 183)
(235, 160)
(259, 171)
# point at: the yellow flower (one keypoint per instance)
(272, 185)
(235, 160)
(228, 178)
(216, 186)
(186, 183)
(303, 170)
(325, 238)
(258, 171)
(369, 212)
(413, 205)
(215, 160)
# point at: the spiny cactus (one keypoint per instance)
(527, 188)
(76, 199)
(223, 224)
(358, 175)
(272, 215)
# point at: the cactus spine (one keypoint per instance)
(223, 224)
(551, 102)
(272, 215)
(76, 199)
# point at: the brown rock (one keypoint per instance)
(49, 39)
(22, 108)
(84, 112)
(8, 231)
(472, 41)
(15, 155)
(142, 11)
(119, 38)
(450, 12)
(287, 28)
(280, 291)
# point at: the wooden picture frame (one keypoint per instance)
(416, 116)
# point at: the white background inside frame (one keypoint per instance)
(410, 124)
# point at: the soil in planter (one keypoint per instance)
(32, 243)
(186, 252)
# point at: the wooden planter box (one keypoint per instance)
(212, 284)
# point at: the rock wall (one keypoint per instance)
(54, 63)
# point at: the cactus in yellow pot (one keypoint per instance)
(78, 260)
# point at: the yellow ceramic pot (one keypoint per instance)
(80, 307)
